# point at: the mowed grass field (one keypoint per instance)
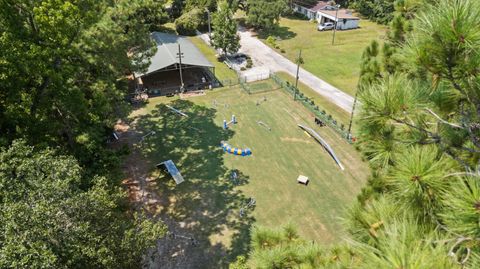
(208, 203)
(222, 72)
(339, 64)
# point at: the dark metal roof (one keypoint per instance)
(167, 49)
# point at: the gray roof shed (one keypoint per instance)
(167, 49)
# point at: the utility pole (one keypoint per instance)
(335, 26)
(180, 56)
(299, 61)
(209, 27)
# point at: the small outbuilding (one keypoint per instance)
(344, 18)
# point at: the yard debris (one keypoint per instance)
(147, 135)
(251, 203)
(264, 125)
(259, 102)
(177, 111)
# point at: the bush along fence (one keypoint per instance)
(320, 113)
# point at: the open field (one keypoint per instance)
(339, 65)
(208, 204)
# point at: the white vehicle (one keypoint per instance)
(325, 26)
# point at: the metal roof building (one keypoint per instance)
(168, 73)
(167, 53)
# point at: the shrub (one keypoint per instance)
(329, 117)
(243, 68)
(334, 122)
(324, 112)
(342, 127)
(220, 57)
(316, 108)
(271, 41)
(190, 21)
(249, 65)
(312, 102)
(282, 50)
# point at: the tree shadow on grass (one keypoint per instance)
(279, 32)
(203, 211)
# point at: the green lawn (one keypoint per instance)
(222, 72)
(339, 64)
(339, 114)
(209, 202)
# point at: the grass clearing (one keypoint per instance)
(339, 114)
(222, 72)
(208, 203)
(339, 64)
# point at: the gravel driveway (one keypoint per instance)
(262, 55)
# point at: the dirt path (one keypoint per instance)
(178, 249)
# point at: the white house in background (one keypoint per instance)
(323, 12)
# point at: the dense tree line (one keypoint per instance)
(192, 15)
(419, 128)
(63, 84)
(380, 11)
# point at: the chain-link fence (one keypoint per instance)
(320, 113)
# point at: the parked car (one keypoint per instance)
(325, 26)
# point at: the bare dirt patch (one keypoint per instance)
(179, 248)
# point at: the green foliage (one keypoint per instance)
(461, 207)
(271, 41)
(418, 179)
(273, 249)
(366, 223)
(48, 221)
(370, 68)
(265, 14)
(189, 22)
(201, 4)
(419, 129)
(239, 263)
(406, 244)
(224, 34)
(380, 11)
(176, 9)
(69, 87)
(63, 81)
